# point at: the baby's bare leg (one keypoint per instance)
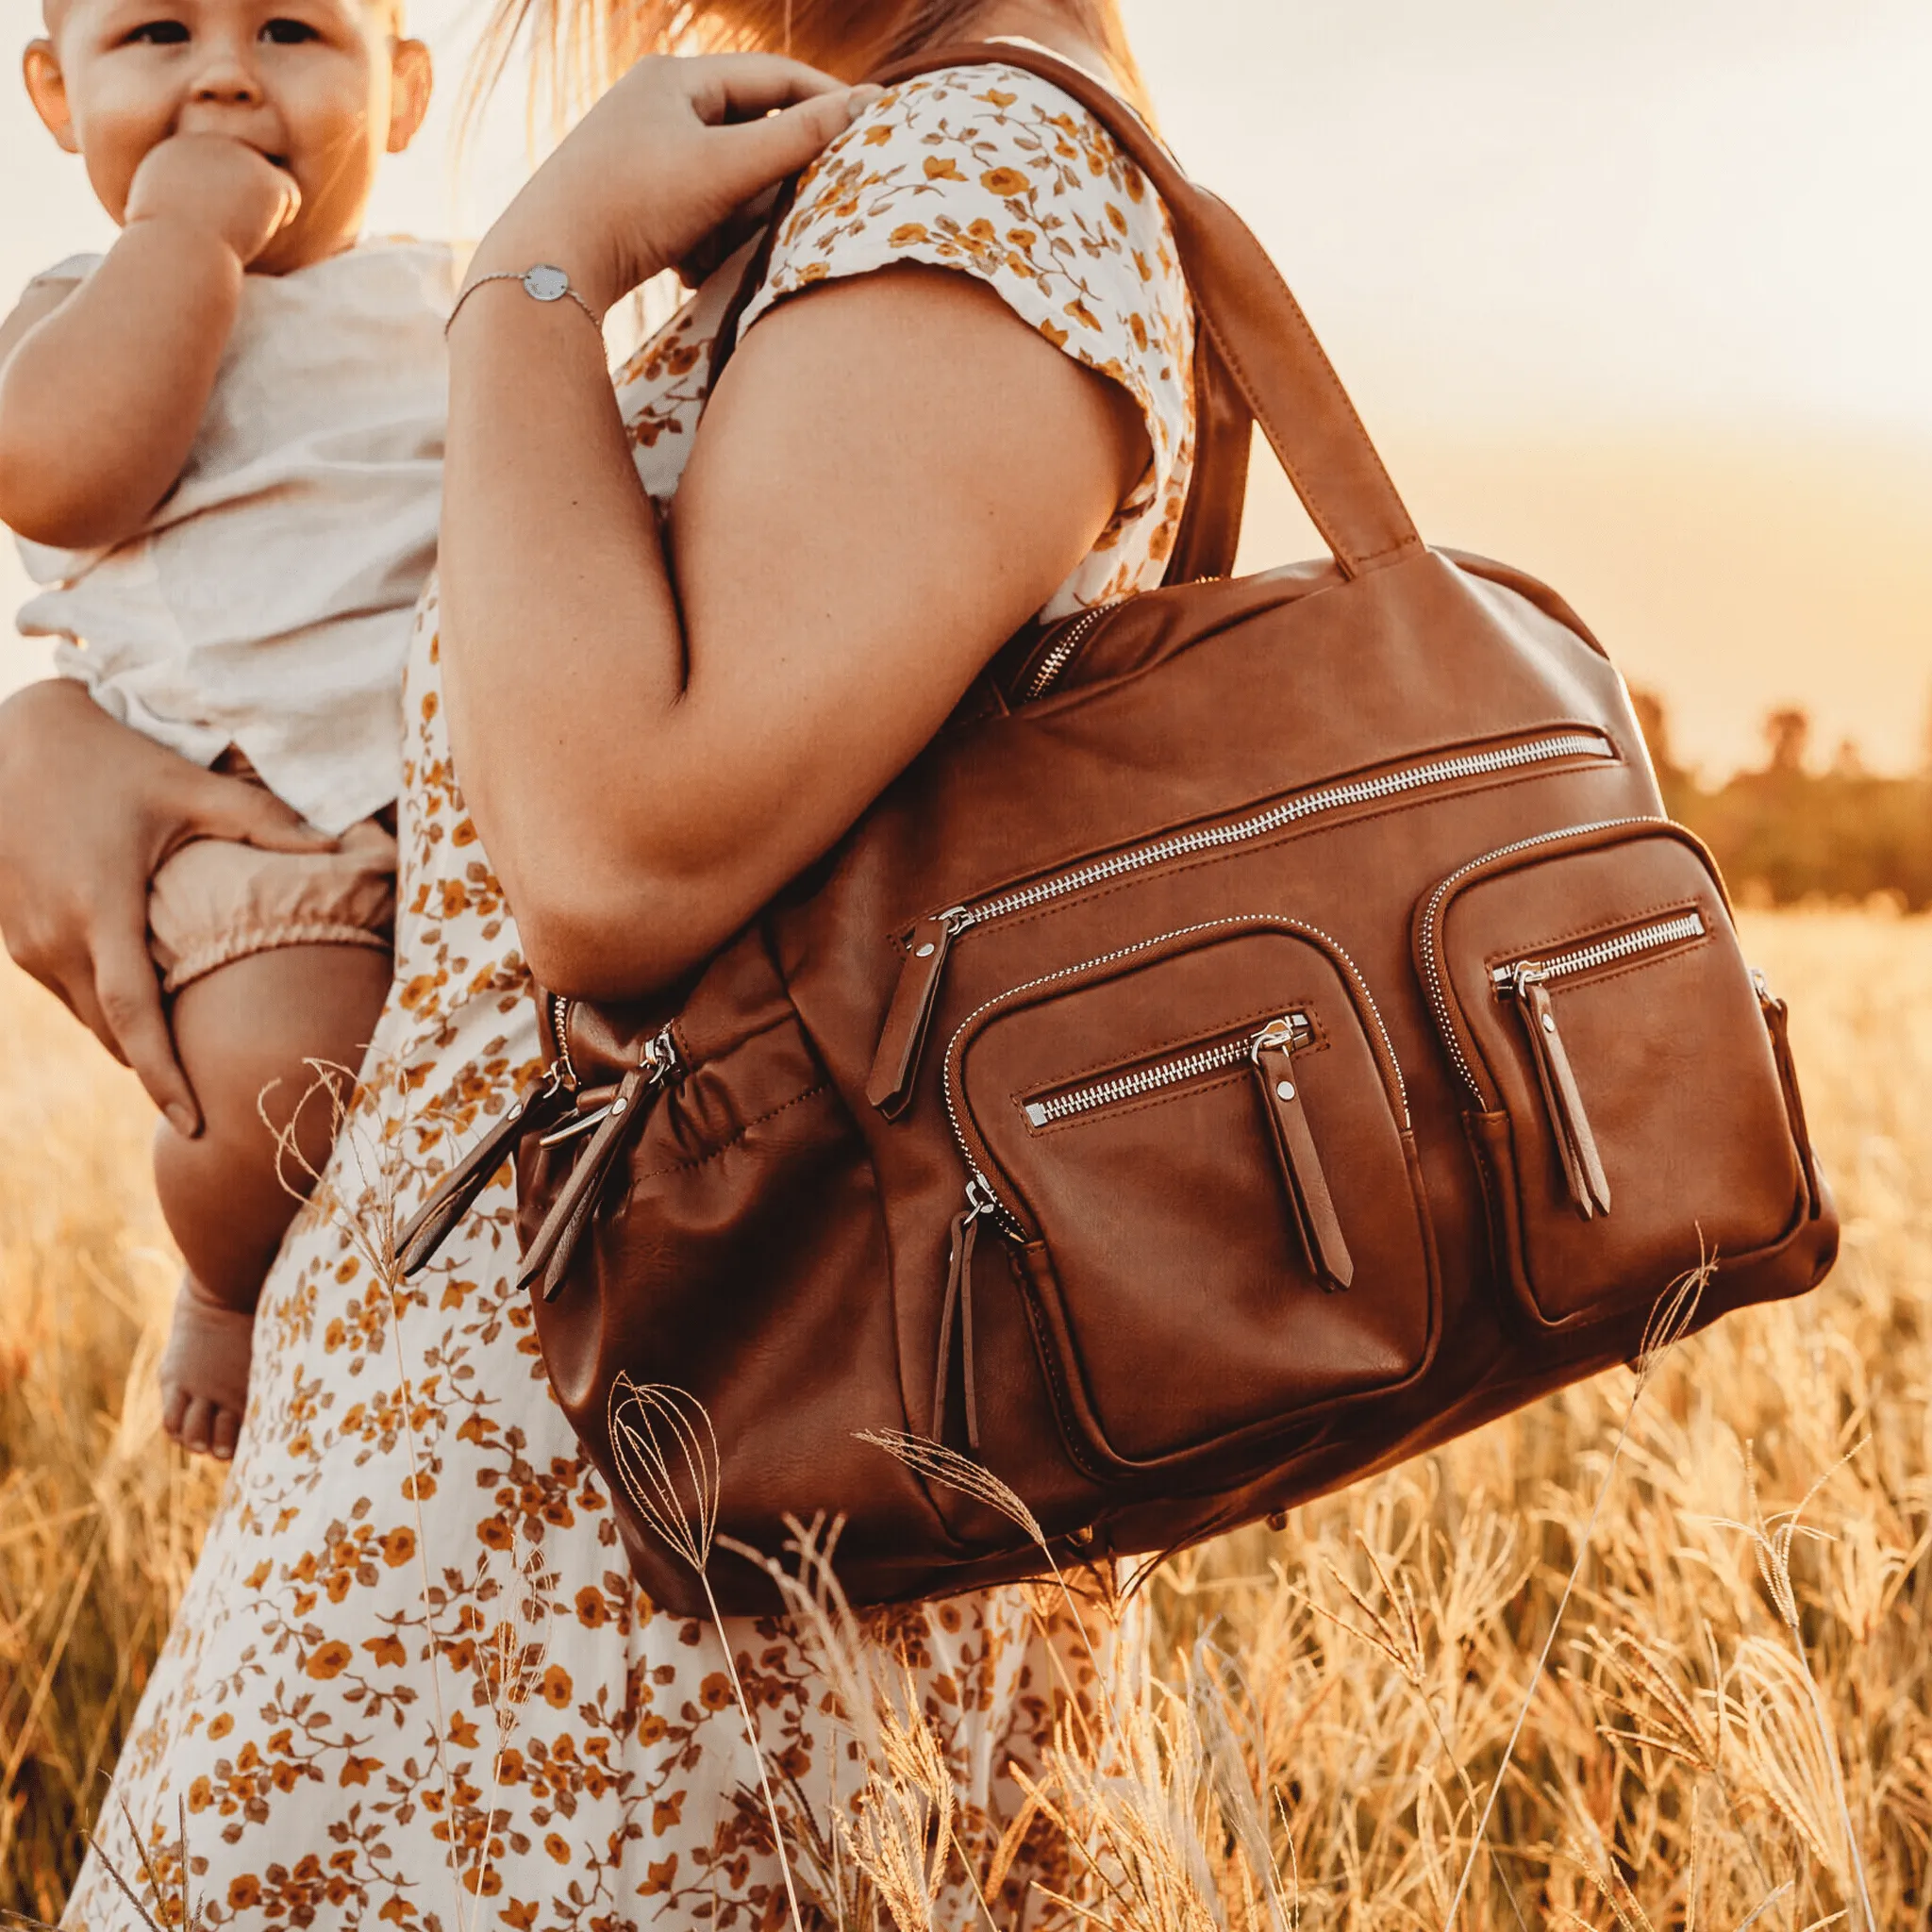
(244, 1034)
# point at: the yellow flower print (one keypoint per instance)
(1053, 332)
(905, 234)
(329, 1659)
(1082, 314)
(1005, 182)
(942, 168)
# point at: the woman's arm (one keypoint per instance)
(89, 809)
(103, 391)
(893, 475)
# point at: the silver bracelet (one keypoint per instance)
(545, 282)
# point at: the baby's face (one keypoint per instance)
(322, 87)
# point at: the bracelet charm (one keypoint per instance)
(542, 282)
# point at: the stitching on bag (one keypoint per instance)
(1509, 956)
(1178, 868)
(1637, 965)
(726, 1146)
(1057, 1385)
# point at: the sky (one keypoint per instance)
(1636, 296)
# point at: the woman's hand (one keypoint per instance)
(665, 157)
(89, 809)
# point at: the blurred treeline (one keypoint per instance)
(1788, 831)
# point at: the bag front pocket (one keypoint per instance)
(1629, 1111)
(1201, 1145)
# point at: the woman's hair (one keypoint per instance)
(579, 47)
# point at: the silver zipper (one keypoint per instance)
(1432, 913)
(1056, 659)
(988, 1199)
(1608, 952)
(659, 1061)
(1292, 1030)
(1416, 778)
(559, 1039)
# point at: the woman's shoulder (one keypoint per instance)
(994, 162)
(992, 171)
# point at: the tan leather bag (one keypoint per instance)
(1271, 1030)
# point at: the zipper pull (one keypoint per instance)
(958, 1301)
(424, 1232)
(1583, 1167)
(554, 1246)
(888, 1086)
(1316, 1222)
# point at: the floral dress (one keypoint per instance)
(411, 1682)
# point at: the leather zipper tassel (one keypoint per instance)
(550, 1253)
(452, 1198)
(1316, 1221)
(957, 1305)
(1583, 1167)
(890, 1085)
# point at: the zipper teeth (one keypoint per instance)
(1432, 913)
(1646, 939)
(999, 1209)
(1187, 1066)
(1308, 805)
(559, 1036)
(1061, 655)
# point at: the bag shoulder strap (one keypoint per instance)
(1256, 327)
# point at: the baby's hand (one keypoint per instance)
(215, 182)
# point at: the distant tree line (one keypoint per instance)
(1789, 832)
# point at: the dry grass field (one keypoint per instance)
(1731, 1726)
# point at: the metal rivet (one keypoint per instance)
(1286, 1089)
(1082, 1539)
(927, 951)
(1549, 1023)
(619, 1104)
(1278, 1520)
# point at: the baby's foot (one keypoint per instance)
(205, 1371)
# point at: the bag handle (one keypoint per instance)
(1257, 329)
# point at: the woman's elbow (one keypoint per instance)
(612, 933)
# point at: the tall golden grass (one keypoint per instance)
(1373, 1719)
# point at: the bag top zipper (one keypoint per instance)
(1322, 798)
(930, 939)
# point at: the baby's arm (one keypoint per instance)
(102, 391)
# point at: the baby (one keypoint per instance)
(221, 449)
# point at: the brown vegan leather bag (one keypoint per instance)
(1271, 1029)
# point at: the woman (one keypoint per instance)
(960, 390)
